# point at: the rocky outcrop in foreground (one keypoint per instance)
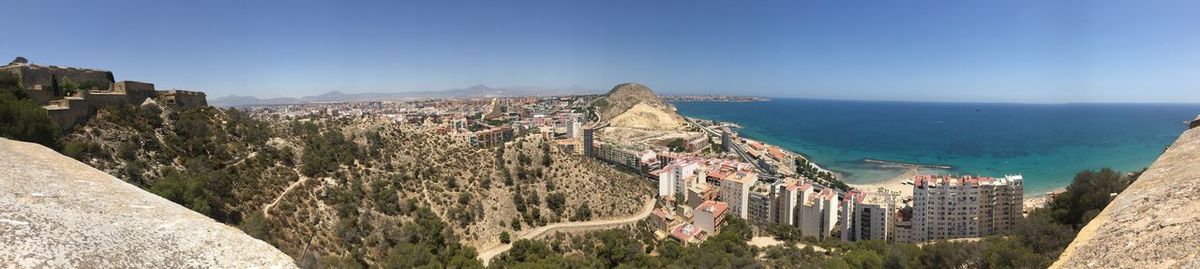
(1155, 223)
(59, 213)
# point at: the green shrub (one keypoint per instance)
(22, 119)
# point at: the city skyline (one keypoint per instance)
(1022, 51)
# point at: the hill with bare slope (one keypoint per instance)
(632, 105)
(346, 193)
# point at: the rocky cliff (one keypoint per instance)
(634, 105)
(1155, 223)
(56, 212)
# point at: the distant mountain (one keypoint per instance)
(338, 96)
(236, 100)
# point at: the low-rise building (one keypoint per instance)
(687, 234)
(709, 216)
(662, 218)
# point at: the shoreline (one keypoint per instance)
(1032, 199)
(895, 184)
(887, 162)
(892, 183)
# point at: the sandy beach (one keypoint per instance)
(895, 184)
(1036, 201)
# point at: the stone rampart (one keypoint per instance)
(1155, 223)
(56, 212)
(39, 81)
(137, 91)
(38, 77)
(184, 99)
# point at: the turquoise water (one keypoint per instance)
(1048, 144)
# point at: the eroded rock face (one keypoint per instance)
(56, 212)
(1155, 223)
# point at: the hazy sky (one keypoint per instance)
(995, 51)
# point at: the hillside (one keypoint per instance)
(632, 105)
(354, 192)
(56, 212)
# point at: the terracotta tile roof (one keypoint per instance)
(714, 207)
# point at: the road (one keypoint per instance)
(736, 148)
(487, 255)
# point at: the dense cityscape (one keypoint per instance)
(606, 134)
(704, 177)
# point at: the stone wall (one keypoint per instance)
(56, 212)
(1155, 223)
(70, 111)
(137, 91)
(40, 96)
(40, 78)
(184, 99)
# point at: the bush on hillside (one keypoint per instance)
(22, 119)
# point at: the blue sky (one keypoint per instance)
(991, 51)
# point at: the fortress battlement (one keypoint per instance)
(72, 95)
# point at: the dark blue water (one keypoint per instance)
(1048, 144)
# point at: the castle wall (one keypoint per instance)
(31, 75)
(99, 99)
(183, 99)
(37, 79)
(70, 111)
(137, 91)
(40, 96)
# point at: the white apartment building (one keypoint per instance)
(676, 177)
(817, 215)
(868, 216)
(946, 207)
(735, 190)
(851, 199)
(575, 129)
(788, 194)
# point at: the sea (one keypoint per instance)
(1046, 143)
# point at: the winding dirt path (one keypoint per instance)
(487, 254)
(267, 208)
